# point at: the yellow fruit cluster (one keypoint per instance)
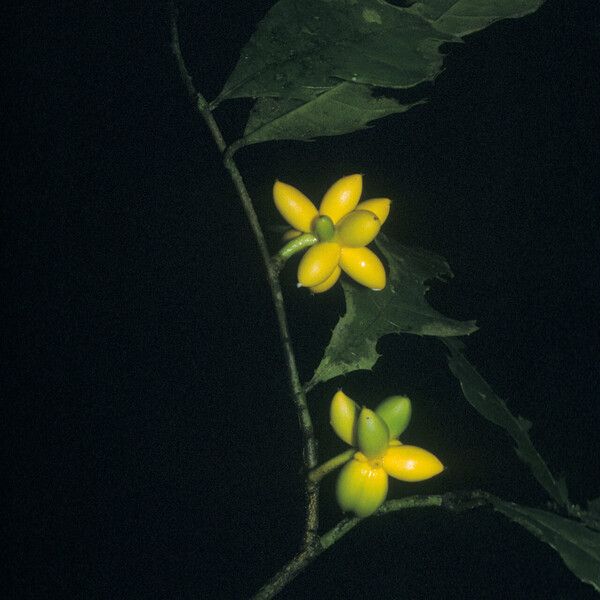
(335, 238)
(337, 233)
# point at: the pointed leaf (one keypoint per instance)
(344, 108)
(481, 396)
(306, 54)
(304, 47)
(399, 308)
(578, 546)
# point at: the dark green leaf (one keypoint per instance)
(344, 108)
(578, 546)
(481, 396)
(461, 17)
(594, 506)
(302, 48)
(306, 54)
(399, 308)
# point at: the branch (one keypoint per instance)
(310, 446)
(456, 501)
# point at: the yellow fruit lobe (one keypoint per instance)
(318, 264)
(328, 283)
(343, 414)
(378, 206)
(294, 206)
(341, 197)
(361, 488)
(410, 463)
(290, 234)
(358, 228)
(363, 266)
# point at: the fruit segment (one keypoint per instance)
(358, 228)
(328, 283)
(343, 414)
(410, 463)
(341, 197)
(372, 434)
(378, 206)
(318, 263)
(294, 206)
(396, 412)
(363, 266)
(361, 488)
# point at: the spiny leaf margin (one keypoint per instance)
(578, 545)
(481, 396)
(399, 308)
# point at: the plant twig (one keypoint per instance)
(330, 465)
(310, 446)
(451, 501)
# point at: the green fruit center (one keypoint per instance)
(323, 228)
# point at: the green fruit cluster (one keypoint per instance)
(362, 485)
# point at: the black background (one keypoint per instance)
(153, 449)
